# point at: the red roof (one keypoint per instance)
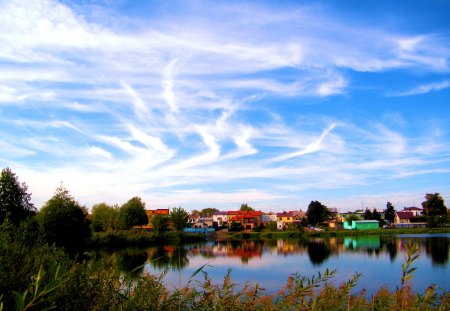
(405, 215)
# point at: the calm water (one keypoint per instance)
(270, 263)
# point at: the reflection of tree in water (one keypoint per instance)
(318, 252)
(438, 249)
(174, 257)
(130, 259)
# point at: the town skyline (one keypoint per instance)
(214, 104)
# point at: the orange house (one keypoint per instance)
(248, 219)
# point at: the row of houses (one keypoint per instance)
(253, 219)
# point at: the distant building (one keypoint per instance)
(220, 219)
(362, 225)
(284, 219)
(415, 210)
(248, 219)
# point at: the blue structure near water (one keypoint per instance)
(199, 230)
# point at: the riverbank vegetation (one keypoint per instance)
(39, 276)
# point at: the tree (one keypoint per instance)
(132, 214)
(350, 218)
(317, 213)
(389, 213)
(368, 214)
(104, 217)
(435, 209)
(14, 199)
(64, 221)
(160, 223)
(377, 216)
(207, 212)
(179, 218)
(245, 207)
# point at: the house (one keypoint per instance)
(248, 219)
(266, 219)
(220, 219)
(284, 219)
(403, 217)
(152, 212)
(334, 215)
(362, 225)
(298, 216)
(415, 210)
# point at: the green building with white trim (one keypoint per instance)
(362, 225)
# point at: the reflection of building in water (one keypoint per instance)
(288, 247)
(244, 250)
(362, 242)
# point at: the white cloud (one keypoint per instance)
(424, 88)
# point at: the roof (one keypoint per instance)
(220, 213)
(412, 208)
(405, 215)
(285, 214)
(365, 221)
(245, 213)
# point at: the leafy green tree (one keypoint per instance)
(160, 224)
(317, 213)
(377, 216)
(64, 221)
(389, 213)
(236, 226)
(105, 217)
(207, 212)
(14, 199)
(132, 213)
(245, 207)
(179, 218)
(368, 214)
(435, 209)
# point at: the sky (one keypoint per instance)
(217, 103)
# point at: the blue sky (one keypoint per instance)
(217, 103)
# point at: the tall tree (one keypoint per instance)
(15, 201)
(317, 213)
(105, 217)
(435, 209)
(179, 218)
(65, 221)
(389, 213)
(245, 207)
(368, 214)
(133, 213)
(160, 224)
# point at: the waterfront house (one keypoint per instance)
(362, 225)
(220, 219)
(417, 212)
(403, 217)
(248, 219)
(284, 219)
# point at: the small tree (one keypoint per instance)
(368, 214)
(435, 209)
(160, 224)
(132, 213)
(245, 207)
(105, 217)
(65, 221)
(389, 213)
(14, 199)
(317, 213)
(350, 218)
(179, 218)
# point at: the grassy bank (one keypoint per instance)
(338, 233)
(139, 238)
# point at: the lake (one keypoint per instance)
(270, 262)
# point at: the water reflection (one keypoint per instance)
(438, 249)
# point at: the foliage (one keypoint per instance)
(105, 217)
(317, 213)
(160, 224)
(207, 212)
(245, 207)
(15, 201)
(179, 218)
(389, 213)
(132, 214)
(435, 209)
(368, 214)
(235, 226)
(350, 218)
(64, 221)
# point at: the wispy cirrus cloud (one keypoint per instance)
(192, 112)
